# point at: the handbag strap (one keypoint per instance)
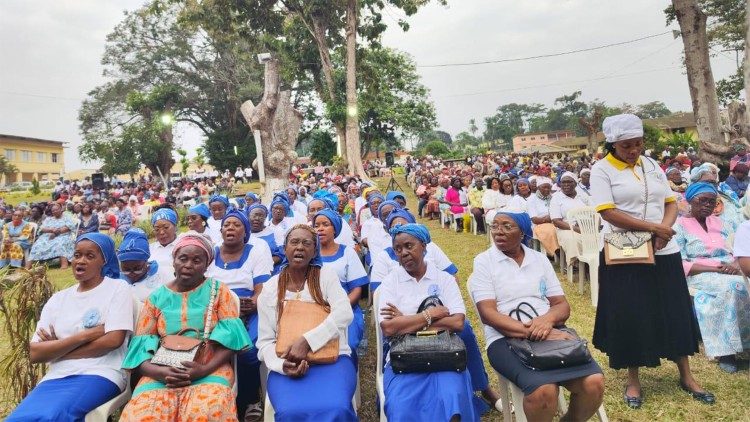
(518, 311)
(645, 190)
(209, 314)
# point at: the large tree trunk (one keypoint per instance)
(353, 149)
(278, 123)
(701, 79)
(319, 35)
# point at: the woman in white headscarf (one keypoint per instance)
(644, 312)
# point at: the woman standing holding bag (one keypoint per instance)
(644, 311)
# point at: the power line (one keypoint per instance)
(21, 94)
(561, 83)
(542, 56)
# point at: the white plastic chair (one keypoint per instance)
(103, 412)
(568, 250)
(474, 226)
(588, 221)
(511, 395)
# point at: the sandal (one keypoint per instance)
(633, 402)
(253, 413)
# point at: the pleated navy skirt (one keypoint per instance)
(644, 313)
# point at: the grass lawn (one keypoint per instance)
(15, 198)
(663, 398)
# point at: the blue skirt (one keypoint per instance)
(65, 399)
(323, 394)
(434, 396)
(250, 356)
(356, 329)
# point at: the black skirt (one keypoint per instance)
(507, 364)
(644, 313)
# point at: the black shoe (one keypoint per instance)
(704, 397)
(633, 402)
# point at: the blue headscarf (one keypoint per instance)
(418, 231)
(281, 199)
(392, 195)
(252, 196)
(219, 198)
(395, 205)
(256, 206)
(523, 180)
(200, 209)
(111, 266)
(330, 199)
(243, 219)
(333, 216)
(134, 246)
(399, 213)
(164, 214)
(698, 188)
(316, 260)
(372, 196)
(241, 203)
(523, 221)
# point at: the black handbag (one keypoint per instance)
(427, 351)
(548, 354)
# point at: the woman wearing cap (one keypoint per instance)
(721, 301)
(199, 391)
(135, 267)
(506, 275)
(564, 200)
(218, 204)
(81, 334)
(439, 396)
(164, 222)
(243, 265)
(197, 218)
(644, 311)
(347, 265)
(297, 389)
(538, 208)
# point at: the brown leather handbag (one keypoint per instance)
(299, 317)
(177, 348)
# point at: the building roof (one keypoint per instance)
(544, 149)
(26, 138)
(673, 121)
(577, 141)
(549, 132)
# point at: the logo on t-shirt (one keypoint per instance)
(433, 290)
(91, 318)
(543, 287)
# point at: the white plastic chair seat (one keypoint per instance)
(589, 240)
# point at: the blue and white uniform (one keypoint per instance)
(345, 262)
(153, 279)
(386, 261)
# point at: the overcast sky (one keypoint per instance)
(51, 53)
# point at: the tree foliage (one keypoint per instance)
(6, 167)
(322, 148)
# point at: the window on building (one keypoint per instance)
(25, 156)
(533, 138)
(41, 157)
(10, 154)
(54, 157)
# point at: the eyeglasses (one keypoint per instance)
(502, 228)
(305, 242)
(707, 201)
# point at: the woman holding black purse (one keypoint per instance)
(644, 311)
(511, 276)
(413, 396)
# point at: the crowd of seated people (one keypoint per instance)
(223, 271)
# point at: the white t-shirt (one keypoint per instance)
(142, 289)
(386, 262)
(742, 241)
(254, 266)
(214, 231)
(537, 207)
(163, 256)
(377, 238)
(561, 203)
(493, 199)
(499, 278)
(615, 184)
(346, 237)
(69, 311)
(518, 204)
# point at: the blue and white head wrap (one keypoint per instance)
(200, 209)
(383, 204)
(111, 266)
(523, 221)
(253, 197)
(256, 206)
(243, 219)
(698, 188)
(281, 199)
(417, 231)
(219, 198)
(333, 217)
(392, 195)
(164, 214)
(134, 246)
(399, 213)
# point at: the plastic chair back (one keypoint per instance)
(588, 222)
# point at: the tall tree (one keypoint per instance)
(692, 21)
(652, 110)
(510, 120)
